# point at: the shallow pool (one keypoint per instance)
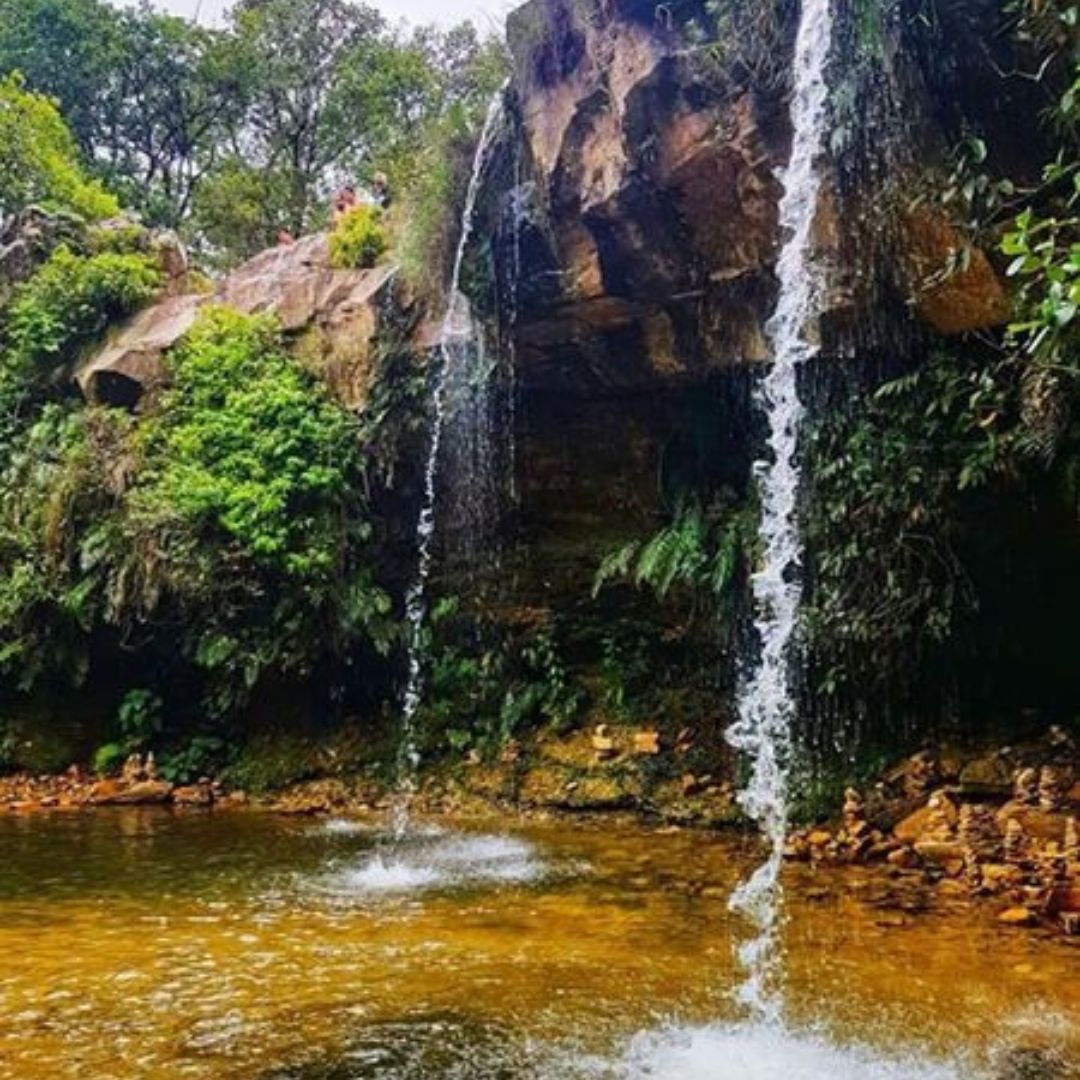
(236, 945)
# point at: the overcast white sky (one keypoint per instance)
(488, 14)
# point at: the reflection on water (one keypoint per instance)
(146, 944)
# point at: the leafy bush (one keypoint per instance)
(886, 513)
(357, 239)
(224, 529)
(38, 159)
(249, 492)
(56, 508)
(138, 724)
(487, 685)
(65, 306)
(202, 755)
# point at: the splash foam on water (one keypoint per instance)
(766, 706)
(769, 1052)
(343, 827)
(452, 862)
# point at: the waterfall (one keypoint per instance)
(766, 703)
(457, 327)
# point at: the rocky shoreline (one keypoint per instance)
(1001, 827)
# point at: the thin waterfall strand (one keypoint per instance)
(416, 598)
(766, 705)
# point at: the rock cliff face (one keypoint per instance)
(647, 219)
(633, 216)
(650, 206)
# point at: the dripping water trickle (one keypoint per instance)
(456, 327)
(766, 702)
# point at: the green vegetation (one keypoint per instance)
(942, 512)
(39, 161)
(893, 506)
(357, 239)
(703, 552)
(247, 489)
(223, 534)
(230, 541)
(66, 305)
(312, 91)
(138, 724)
(489, 683)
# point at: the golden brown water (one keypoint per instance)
(152, 944)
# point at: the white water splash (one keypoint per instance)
(416, 598)
(769, 1052)
(766, 704)
(451, 862)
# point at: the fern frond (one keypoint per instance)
(615, 566)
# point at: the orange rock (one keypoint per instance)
(918, 822)
(104, 791)
(954, 286)
(1018, 916)
(144, 793)
(940, 852)
(1042, 824)
(903, 857)
(819, 838)
(193, 795)
(603, 743)
(1000, 875)
(949, 887)
(647, 742)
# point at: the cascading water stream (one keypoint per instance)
(766, 703)
(456, 322)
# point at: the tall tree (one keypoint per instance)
(301, 57)
(177, 100)
(38, 158)
(69, 50)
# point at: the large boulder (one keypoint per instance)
(336, 312)
(953, 284)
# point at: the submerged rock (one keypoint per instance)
(1018, 916)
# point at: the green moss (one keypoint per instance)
(274, 761)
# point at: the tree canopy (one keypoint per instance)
(233, 134)
(38, 158)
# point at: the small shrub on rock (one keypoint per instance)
(358, 239)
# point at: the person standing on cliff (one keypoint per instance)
(344, 201)
(380, 190)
